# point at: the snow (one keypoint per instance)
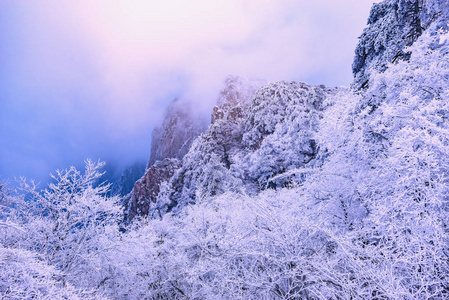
(258, 211)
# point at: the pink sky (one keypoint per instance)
(83, 79)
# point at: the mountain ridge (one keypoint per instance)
(260, 131)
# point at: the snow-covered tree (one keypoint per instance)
(279, 129)
(62, 224)
(390, 159)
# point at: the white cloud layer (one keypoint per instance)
(91, 78)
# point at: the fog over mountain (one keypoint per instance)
(293, 190)
(91, 80)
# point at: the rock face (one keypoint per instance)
(170, 143)
(147, 188)
(179, 128)
(392, 26)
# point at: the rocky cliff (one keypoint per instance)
(147, 188)
(208, 168)
(170, 142)
(393, 25)
(180, 126)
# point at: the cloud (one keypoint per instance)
(85, 79)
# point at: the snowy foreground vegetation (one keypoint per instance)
(368, 219)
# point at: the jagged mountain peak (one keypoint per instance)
(180, 125)
(170, 142)
(236, 94)
(281, 117)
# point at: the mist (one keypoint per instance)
(85, 79)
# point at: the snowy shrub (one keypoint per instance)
(60, 226)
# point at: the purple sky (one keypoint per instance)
(90, 79)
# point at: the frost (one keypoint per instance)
(293, 192)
